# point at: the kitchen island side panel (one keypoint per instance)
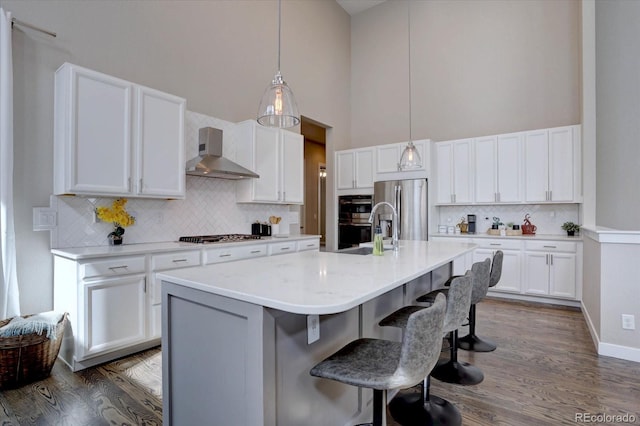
(213, 360)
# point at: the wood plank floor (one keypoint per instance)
(544, 371)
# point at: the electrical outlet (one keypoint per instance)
(628, 322)
(313, 328)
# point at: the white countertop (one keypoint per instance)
(80, 253)
(549, 237)
(318, 282)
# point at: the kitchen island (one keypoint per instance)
(238, 338)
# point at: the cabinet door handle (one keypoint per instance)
(551, 259)
(225, 255)
(140, 187)
(179, 260)
(115, 268)
(129, 184)
(550, 195)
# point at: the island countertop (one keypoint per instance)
(318, 282)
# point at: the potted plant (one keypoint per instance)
(118, 215)
(571, 228)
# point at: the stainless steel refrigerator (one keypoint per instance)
(410, 198)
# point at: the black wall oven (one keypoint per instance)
(353, 220)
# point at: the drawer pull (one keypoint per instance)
(285, 248)
(115, 268)
(256, 251)
(310, 245)
(179, 260)
(549, 246)
(225, 255)
(495, 244)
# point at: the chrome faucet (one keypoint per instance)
(394, 238)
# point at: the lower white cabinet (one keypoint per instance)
(114, 315)
(114, 302)
(107, 304)
(537, 268)
(550, 268)
(511, 277)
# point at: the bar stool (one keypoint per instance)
(472, 342)
(424, 408)
(452, 370)
(383, 365)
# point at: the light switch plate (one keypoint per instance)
(313, 328)
(44, 219)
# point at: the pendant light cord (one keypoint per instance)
(279, 30)
(409, 55)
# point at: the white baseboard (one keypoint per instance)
(620, 352)
(609, 349)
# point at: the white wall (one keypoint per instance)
(477, 68)
(219, 55)
(618, 112)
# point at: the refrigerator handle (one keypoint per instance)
(398, 204)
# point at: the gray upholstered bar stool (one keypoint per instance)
(410, 408)
(383, 365)
(472, 342)
(452, 370)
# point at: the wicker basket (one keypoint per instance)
(27, 358)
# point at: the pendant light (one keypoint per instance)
(278, 107)
(410, 158)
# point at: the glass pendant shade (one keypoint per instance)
(278, 107)
(410, 158)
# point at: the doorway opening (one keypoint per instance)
(313, 212)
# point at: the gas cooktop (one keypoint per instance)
(224, 238)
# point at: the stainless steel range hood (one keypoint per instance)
(210, 162)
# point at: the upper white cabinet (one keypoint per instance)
(354, 168)
(277, 156)
(388, 156)
(552, 165)
(497, 169)
(454, 172)
(116, 138)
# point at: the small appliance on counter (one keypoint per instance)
(471, 224)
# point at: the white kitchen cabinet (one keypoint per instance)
(114, 315)
(354, 169)
(497, 168)
(159, 263)
(285, 247)
(511, 277)
(454, 172)
(388, 156)
(107, 304)
(552, 165)
(116, 138)
(308, 245)
(277, 156)
(228, 254)
(550, 268)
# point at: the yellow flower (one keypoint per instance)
(116, 214)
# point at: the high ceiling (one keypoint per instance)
(356, 6)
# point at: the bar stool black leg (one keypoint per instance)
(471, 342)
(419, 409)
(452, 371)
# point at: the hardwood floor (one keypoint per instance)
(544, 372)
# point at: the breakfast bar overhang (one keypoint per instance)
(235, 346)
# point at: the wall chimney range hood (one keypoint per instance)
(210, 162)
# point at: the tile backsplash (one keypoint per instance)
(209, 207)
(547, 217)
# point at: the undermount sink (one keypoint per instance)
(359, 250)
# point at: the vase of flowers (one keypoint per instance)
(116, 214)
